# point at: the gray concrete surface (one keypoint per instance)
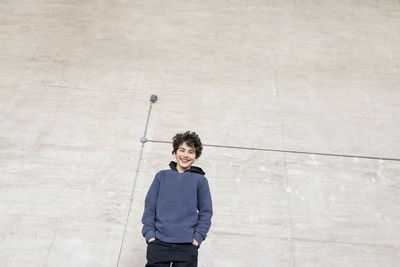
(314, 76)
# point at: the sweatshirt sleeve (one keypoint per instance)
(149, 214)
(205, 211)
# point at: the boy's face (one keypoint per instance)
(185, 156)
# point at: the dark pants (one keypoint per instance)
(161, 254)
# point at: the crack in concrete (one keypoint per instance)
(50, 248)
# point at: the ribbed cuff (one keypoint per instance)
(198, 237)
(149, 234)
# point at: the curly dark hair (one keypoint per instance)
(191, 139)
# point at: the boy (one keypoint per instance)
(178, 207)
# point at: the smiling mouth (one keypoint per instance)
(184, 161)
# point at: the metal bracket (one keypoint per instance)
(153, 98)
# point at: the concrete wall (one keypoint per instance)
(316, 76)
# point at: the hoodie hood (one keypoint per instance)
(195, 169)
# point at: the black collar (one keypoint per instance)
(173, 164)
